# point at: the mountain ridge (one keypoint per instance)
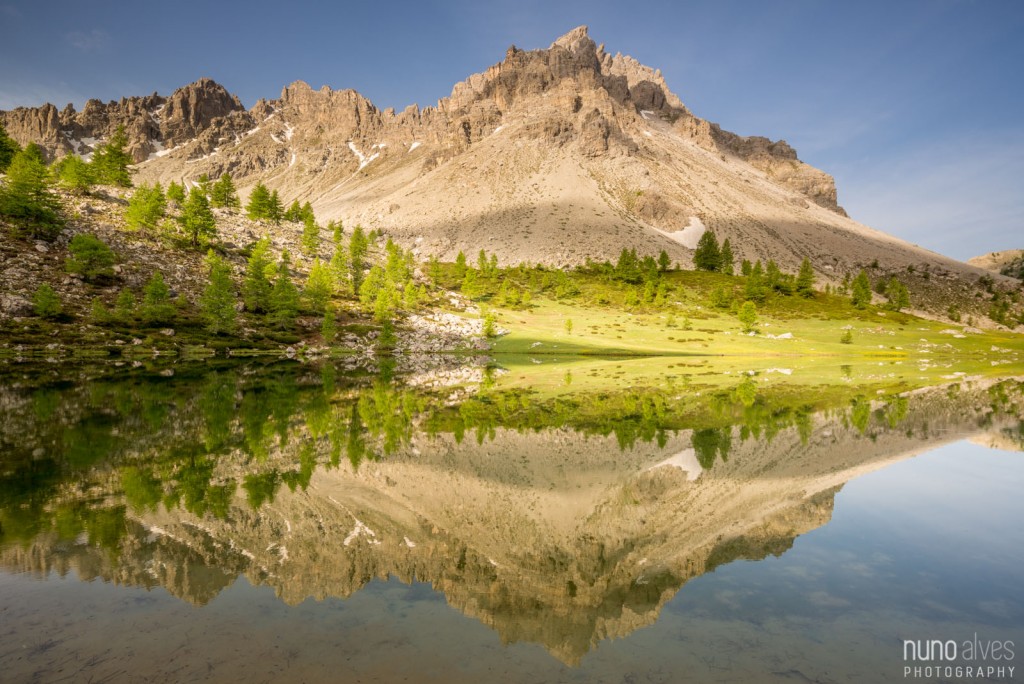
(555, 155)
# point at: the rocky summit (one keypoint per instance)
(554, 155)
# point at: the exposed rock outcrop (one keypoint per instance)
(554, 155)
(152, 123)
(1008, 262)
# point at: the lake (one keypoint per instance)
(356, 521)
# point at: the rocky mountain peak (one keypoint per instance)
(192, 109)
(521, 159)
(575, 40)
(153, 123)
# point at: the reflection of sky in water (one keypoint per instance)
(937, 536)
(930, 547)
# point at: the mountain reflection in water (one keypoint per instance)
(562, 521)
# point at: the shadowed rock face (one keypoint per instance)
(554, 536)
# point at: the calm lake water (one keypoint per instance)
(278, 523)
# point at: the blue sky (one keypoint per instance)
(914, 107)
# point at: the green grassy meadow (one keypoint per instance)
(686, 341)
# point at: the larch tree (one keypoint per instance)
(358, 247)
(256, 286)
(8, 148)
(111, 160)
(146, 207)
(275, 210)
(860, 295)
(25, 196)
(176, 192)
(899, 296)
(310, 236)
(223, 193)
(73, 173)
(319, 286)
(157, 307)
(196, 219)
(805, 279)
(258, 207)
(294, 212)
(217, 303)
(707, 256)
(284, 298)
(727, 258)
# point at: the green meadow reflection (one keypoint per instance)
(559, 519)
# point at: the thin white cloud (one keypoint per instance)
(89, 41)
(959, 197)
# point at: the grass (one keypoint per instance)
(688, 341)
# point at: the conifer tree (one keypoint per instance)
(258, 207)
(90, 257)
(294, 212)
(203, 183)
(627, 268)
(196, 218)
(329, 326)
(386, 302)
(256, 286)
(396, 267)
(176, 192)
(860, 295)
(340, 271)
(110, 161)
(45, 302)
(372, 286)
(748, 316)
(146, 207)
(460, 265)
(310, 236)
(156, 306)
(899, 296)
(25, 196)
(434, 270)
(727, 258)
(8, 148)
(274, 210)
(124, 307)
(410, 296)
(470, 284)
(663, 261)
(337, 232)
(805, 279)
(307, 212)
(284, 298)
(319, 286)
(223, 193)
(756, 289)
(74, 174)
(358, 247)
(217, 303)
(707, 256)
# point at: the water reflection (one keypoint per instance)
(562, 521)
